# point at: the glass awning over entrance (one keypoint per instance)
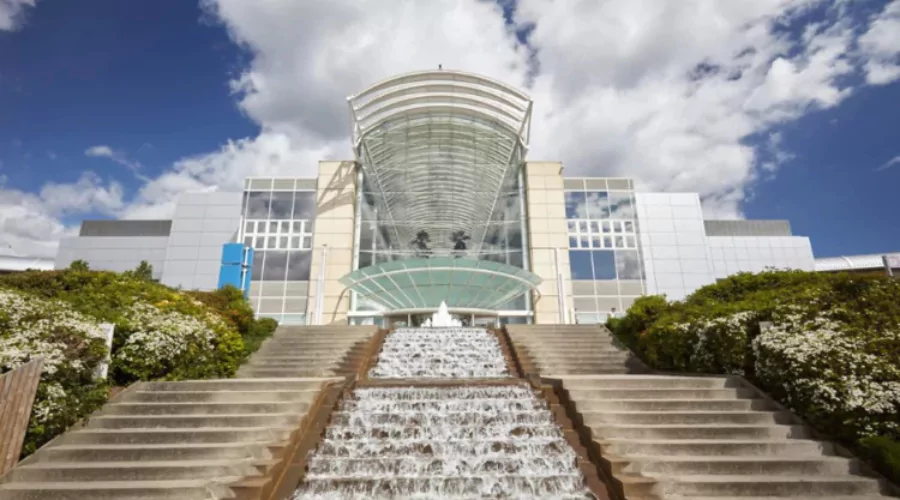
(424, 283)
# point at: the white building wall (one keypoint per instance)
(202, 224)
(675, 250)
(735, 254)
(113, 253)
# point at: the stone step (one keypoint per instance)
(672, 405)
(609, 352)
(227, 385)
(717, 431)
(686, 417)
(231, 396)
(733, 465)
(263, 362)
(172, 436)
(710, 447)
(205, 408)
(663, 394)
(549, 366)
(137, 471)
(188, 489)
(647, 381)
(828, 497)
(248, 371)
(766, 485)
(559, 371)
(192, 421)
(154, 452)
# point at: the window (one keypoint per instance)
(621, 206)
(258, 204)
(275, 266)
(580, 264)
(576, 205)
(299, 265)
(278, 235)
(281, 205)
(628, 265)
(304, 205)
(604, 265)
(597, 204)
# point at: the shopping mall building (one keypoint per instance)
(440, 203)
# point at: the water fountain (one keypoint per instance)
(439, 439)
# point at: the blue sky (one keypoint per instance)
(152, 81)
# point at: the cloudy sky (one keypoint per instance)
(767, 108)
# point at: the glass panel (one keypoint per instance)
(283, 244)
(307, 242)
(621, 206)
(580, 264)
(299, 265)
(573, 226)
(248, 241)
(607, 242)
(606, 226)
(256, 268)
(273, 226)
(583, 226)
(298, 226)
(281, 205)
(573, 242)
(628, 265)
(273, 240)
(585, 241)
(365, 259)
(620, 242)
(596, 241)
(260, 242)
(617, 226)
(630, 242)
(285, 226)
(604, 265)
(516, 259)
(258, 204)
(576, 205)
(275, 266)
(295, 242)
(304, 205)
(597, 205)
(249, 227)
(629, 226)
(595, 227)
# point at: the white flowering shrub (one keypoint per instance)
(167, 344)
(837, 379)
(72, 346)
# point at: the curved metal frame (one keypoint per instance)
(439, 146)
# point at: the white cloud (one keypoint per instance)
(104, 151)
(667, 92)
(11, 12)
(881, 46)
(889, 164)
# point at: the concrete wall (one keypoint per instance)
(674, 246)
(547, 232)
(203, 222)
(335, 215)
(113, 253)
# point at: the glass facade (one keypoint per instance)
(604, 253)
(277, 220)
(496, 236)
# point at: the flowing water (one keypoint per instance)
(476, 441)
(452, 352)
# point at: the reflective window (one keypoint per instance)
(580, 264)
(304, 205)
(299, 265)
(597, 205)
(604, 265)
(576, 205)
(622, 206)
(275, 266)
(257, 266)
(628, 265)
(258, 204)
(281, 205)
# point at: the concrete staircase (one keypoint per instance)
(309, 351)
(710, 438)
(207, 439)
(570, 350)
(170, 440)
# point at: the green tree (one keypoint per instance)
(421, 243)
(144, 271)
(459, 240)
(79, 265)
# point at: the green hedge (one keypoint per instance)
(832, 353)
(160, 334)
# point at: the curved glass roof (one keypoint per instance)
(439, 147)
(424, 283)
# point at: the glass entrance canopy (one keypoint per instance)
(421, 284)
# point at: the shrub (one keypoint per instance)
(200, 342)
(72, 346)
(144, 271)
(832, 353)
(229, 302)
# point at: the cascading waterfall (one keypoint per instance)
(451, 352)
(441, 442)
